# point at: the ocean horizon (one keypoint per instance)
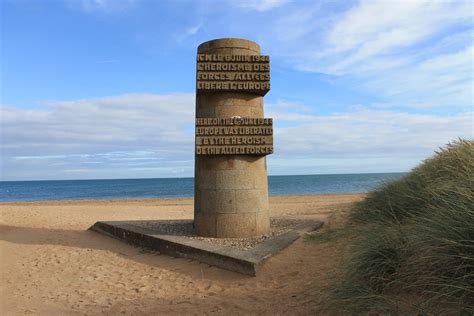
(117, 189)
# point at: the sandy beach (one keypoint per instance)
(51, 264)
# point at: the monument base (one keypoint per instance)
(176, 238)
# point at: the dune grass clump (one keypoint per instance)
(413, 246)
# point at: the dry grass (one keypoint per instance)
(413, 241)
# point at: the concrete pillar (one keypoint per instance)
(231, 191)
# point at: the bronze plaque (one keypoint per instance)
(234, 136)
(237, 73)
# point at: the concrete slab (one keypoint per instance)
(175, 238)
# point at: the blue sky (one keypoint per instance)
(105, 89)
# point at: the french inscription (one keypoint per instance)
(240, 73)
(234, 136)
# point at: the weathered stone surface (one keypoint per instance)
(263, 220)
(261, 182)
(206, 222)
(250, 200)
(217, 45)
(239, 162)
(216, 201)
(207, 179)
(233, 179)
(231, 225)
(231, 190)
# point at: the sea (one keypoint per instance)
(181, 187)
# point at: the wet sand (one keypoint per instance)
(51, 264)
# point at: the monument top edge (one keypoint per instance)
(228, 43)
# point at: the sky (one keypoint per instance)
(99, 89)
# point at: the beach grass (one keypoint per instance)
(413, 241)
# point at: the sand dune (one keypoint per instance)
(52, 265)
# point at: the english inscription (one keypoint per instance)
(234, 136)
(239, 73)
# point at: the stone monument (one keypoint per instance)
(231, 190)
(232, 139)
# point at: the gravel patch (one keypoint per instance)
(184, 228)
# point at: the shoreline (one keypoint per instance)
(270, 176)
(154, 199)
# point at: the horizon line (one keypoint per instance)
(273, 175)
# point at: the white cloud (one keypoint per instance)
(386, 28)
(120, 132)
(377, 27)
(417, 51)
(144, 135)
(190, 31)
(259, 5)
(365, 133)
(193, 29)
(441, 80)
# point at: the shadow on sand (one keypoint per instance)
(86, 239)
